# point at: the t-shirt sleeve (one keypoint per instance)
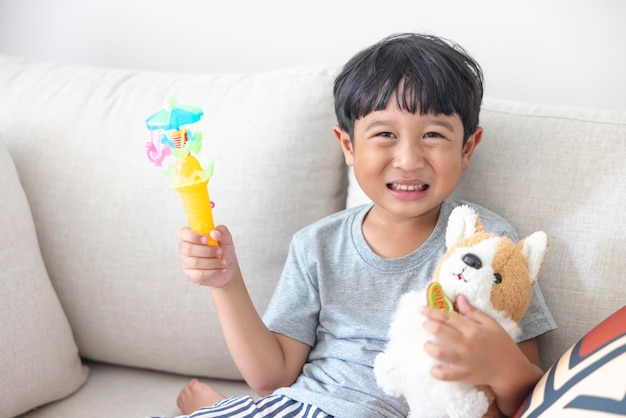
(294, 307)
(538, 319)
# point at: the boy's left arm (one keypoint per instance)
(477, 350)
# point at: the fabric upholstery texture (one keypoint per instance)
(137, 393)
(107, 220)
(39, 361)
(560, 170)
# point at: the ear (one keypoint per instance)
(534, 248)
(346, 144)
(463, 222)
(470, 145)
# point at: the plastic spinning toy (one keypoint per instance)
(173, 135)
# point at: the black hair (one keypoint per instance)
(426, 72)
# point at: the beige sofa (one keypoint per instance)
(96, 317)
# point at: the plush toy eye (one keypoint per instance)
(497, 279)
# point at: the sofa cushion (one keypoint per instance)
(107, 220)
(560, 170)
(39, 361)
(115, 392)
(588, 380)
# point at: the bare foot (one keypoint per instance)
(196, 395)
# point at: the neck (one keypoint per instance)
(391, 236)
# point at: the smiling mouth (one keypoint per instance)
(460, 275)
(408, 187)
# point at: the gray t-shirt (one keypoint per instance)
(336, 295)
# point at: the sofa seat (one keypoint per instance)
(116, 391)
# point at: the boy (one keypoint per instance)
(407, 110)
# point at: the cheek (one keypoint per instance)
(447, 157)
(369, 158)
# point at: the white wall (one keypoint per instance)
(568, 52)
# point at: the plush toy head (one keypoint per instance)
(496, 276)
(491, 271)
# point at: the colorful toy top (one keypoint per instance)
(173, 134)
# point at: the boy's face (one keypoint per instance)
(407, 163)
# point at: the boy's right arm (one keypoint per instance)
(266, 360)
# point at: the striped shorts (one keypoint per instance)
(269, 406)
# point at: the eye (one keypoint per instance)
(433, 135)
(433, 138)
(497, 279)
(387, 135)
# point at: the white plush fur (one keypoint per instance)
(403, 369)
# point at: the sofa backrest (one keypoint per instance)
(560, 170)
(107, 221)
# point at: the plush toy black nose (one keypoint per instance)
(472, 261)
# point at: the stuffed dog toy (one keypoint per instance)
(496, 276)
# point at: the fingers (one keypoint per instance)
(469, 311)
(438, 320)
(205, 264)
(446, 327)
(193, 244)
(465, 310)
(220, 234)
(447, 372)
(193, 240)
(199, 258)
(448, 348)
(470, 346)
(186, 234)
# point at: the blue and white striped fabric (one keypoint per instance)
(269, 406)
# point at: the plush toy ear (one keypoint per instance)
(463, 222)
(534, 248)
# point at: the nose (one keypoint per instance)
(472, 261)
(409, 156)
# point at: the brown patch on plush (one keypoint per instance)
(513, 294)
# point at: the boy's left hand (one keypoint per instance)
(472, 346)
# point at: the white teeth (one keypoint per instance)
(408, 187)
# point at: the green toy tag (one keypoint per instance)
(436, 298)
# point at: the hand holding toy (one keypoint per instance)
(172, 135)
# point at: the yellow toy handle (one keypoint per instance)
(195, 197)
